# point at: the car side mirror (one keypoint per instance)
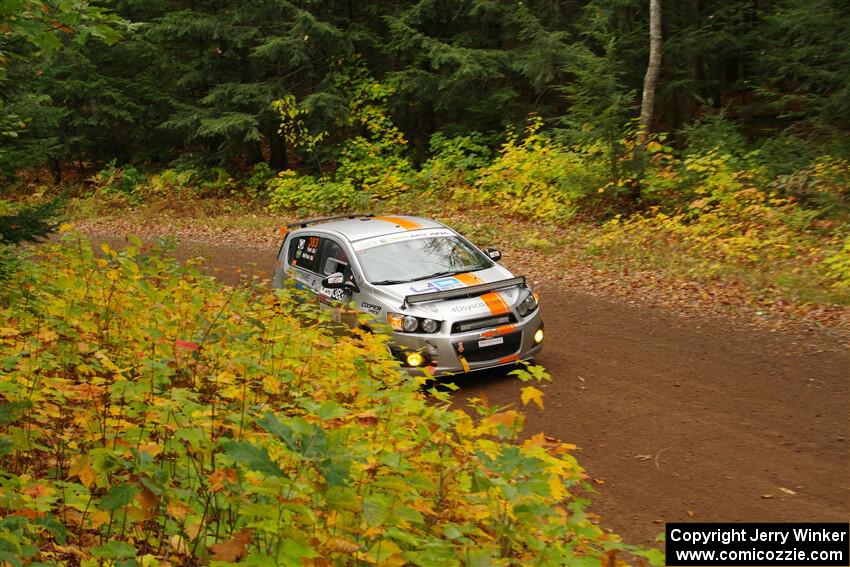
(493, 254)
(337, 281)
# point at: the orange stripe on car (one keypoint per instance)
(403, 223)
(498, 331)
(511, 358)
(495, 303)
(468, 279)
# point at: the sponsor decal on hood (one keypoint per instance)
(492, 303)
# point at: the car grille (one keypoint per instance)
(482, 323)
(473, 353)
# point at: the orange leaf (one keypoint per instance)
(232, 549)
(148, 502)
(220, 478)
(506, 418)
(340, 545)
(178, 510)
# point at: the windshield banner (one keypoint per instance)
(367, 243)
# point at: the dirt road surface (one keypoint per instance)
(676, 419)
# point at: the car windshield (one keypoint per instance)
(420, 259)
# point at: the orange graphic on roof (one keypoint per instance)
(403, 223)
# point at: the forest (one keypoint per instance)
(530, 109)
(704, 142)
(160, 83)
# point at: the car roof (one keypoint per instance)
(367, 227)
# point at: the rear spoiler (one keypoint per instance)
(470, 291)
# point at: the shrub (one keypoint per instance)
(728, 220)
(454, 163)
(538, 178)
(148, 414)
(121, 181)
(838, 266)
(305, 194)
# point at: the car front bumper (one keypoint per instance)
(446, 352)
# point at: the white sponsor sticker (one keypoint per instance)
(491, 342)
(400, 237)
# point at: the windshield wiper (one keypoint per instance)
(445, 273)
(438, 274)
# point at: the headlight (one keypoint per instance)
(396, 321)
(410, 324)
(527, 305)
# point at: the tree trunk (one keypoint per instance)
(56, 169)
(652, 69)
(277, 152)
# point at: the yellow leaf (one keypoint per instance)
(178, 544)
(538, 440)
(104, 360)
(98, 518)
(556, 487)
(530, 393)
(9, 332)
(82, 469)
(65, 227)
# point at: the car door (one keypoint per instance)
(334, 258)
(308, 258)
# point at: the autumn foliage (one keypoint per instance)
(150, 416)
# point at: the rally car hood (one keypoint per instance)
(479, 305)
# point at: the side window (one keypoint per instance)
(304, 252)
(333, 259)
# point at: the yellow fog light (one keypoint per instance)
(415, 359)
(538, 336)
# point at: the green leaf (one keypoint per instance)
(55, 527)
(336, 472)
(653, 555)
(11, 411)
(271, 424)
(296, 551)
(376, 509)
(11, 6)
(255, 459)
(331, 410)
(114, 550)
(118, 496)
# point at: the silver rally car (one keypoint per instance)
(450, 305)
